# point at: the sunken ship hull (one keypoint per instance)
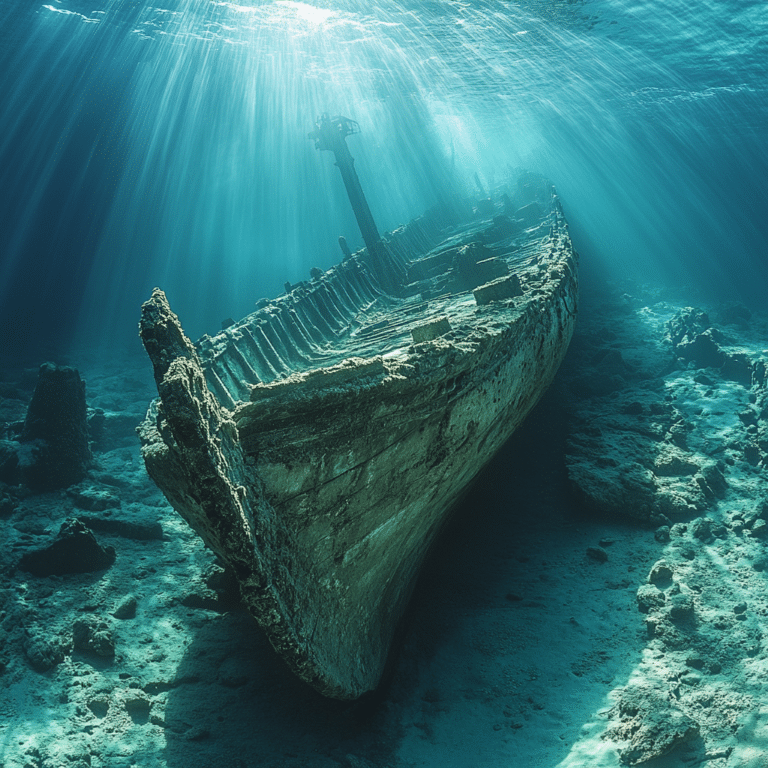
(318, 445)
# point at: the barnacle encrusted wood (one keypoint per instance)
(317, 445)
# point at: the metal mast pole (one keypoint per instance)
(331, 134)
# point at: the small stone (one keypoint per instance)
(662, 534)
(715, 479)
(719, 531)
(43, 653)
(701, 529)
(661, 573)
(695, 660)
(759, 529)
(705, 489)
(678, 529)
(740, 608)
(598, 554)
(94, 636)
(197, 733)
(652, 624)
(752, 453)
(681, 608)
(126, 608)
(649, 597)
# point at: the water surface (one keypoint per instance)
(145, 145)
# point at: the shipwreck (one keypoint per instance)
(318, 444)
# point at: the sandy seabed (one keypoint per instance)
(598, 600)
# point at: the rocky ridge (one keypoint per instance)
(670, 427)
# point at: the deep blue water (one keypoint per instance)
(145, 145)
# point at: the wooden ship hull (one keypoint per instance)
(318, 444)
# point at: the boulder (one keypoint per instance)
(43, 652)
(703, 351)
(671, 462)
(661, 573)
(626, 488)
(75, 550)
(649, 597)
(53, 445)
(650, 724)
(686, 325)
(93, 635)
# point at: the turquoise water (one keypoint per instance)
(145, 145)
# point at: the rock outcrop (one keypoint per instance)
(75, 550)
(52, 450)
(642, 442)
(651, 724)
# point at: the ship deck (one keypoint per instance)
(388, 325)
(344, 314)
